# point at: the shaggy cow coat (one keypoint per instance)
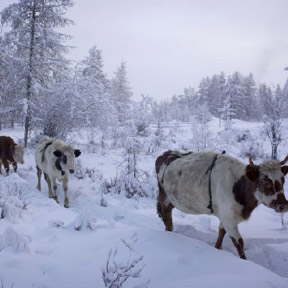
(56, 159)
(210, 183)
(10, 152)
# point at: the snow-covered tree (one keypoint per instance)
(121, 92)
(272, 117)
(200, 129)
(249, 101)
(36, 49)
(95, 103)
(236, 93)
(216, 93)
(227, 113)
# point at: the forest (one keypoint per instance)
(46, 93)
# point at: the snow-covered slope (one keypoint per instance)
(42, 244)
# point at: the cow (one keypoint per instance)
(10, 152)
(56, 160)
(217, 184)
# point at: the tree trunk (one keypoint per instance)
(28, 117)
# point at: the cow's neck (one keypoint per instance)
(244, 193)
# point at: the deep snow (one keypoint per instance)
(39, 246)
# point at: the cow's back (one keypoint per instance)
(186, 182)
(41, 150)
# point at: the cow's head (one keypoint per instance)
(19, 154)
(65, 159)
(270, 178)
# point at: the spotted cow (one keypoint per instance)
(210, 183)
(56, 159)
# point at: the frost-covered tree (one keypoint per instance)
(236, 93)
(216, 94)
(227, 113)
(121, 92)
(9, 104)
(98, 111)
(200, 129)
(204, 91)
(265, 98)
(250, 100)
(140, 115)
(272, 118)
(36, 49)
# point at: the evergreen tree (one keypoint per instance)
(36, 49)
(204, 91)
(249, 101)
(236, 94)
(121, 92)
(94, 91)
(216, 94)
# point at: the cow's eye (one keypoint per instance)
(266, 184)
(278, 186)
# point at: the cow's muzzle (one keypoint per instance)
(280, 205)
(71, 171)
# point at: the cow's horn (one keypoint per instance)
(251, 161)
(284, 161)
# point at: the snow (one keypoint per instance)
(44, 245)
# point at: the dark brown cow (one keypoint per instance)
(10, 152)
(210, 183)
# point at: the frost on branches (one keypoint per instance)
(116, 272)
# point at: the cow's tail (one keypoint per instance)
(159, 210)
(160, 200)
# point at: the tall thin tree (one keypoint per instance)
(36, 48)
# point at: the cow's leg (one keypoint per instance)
(232, 230)
(6, 165)
(65, 189)
(39, 174)
(165, 209)
(48, 180)
(14, 164)
(54, 183)
(221, 235)
(167, 216)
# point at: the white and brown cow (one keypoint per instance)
(10, 152)
(56, 159)
(210, 183)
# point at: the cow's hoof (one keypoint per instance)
(56, 199)
(66, 205)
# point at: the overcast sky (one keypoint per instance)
(169, 45)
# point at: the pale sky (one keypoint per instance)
(169, 45)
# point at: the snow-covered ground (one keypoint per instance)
(43, 244)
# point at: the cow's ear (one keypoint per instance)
(77, 152)
(284, 169)
(57, 153)
(252, 172)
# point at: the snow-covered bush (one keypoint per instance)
(116, 272)
(130, 186)
(13, 197)
(11, 238)
(250, 145)
(82, 172)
